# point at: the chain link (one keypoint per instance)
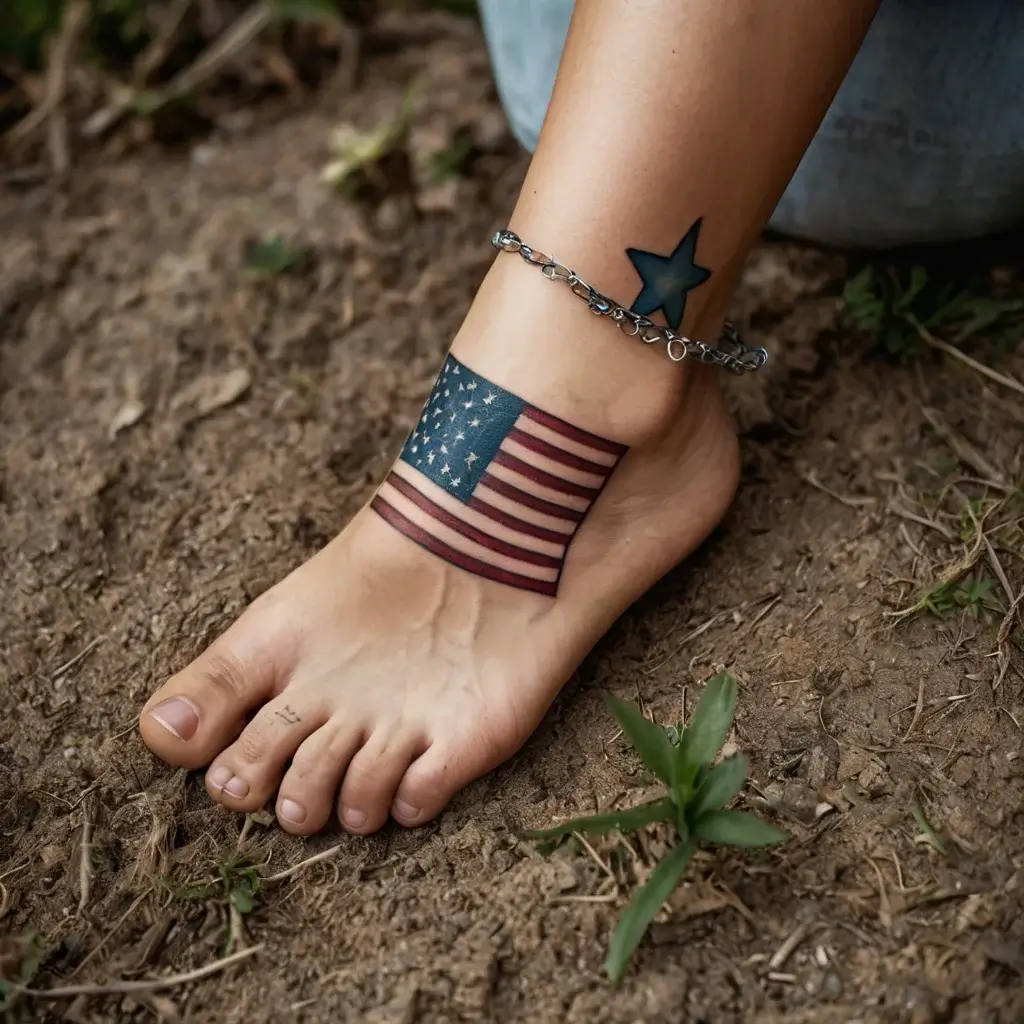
(731, 354)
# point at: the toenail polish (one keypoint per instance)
(353, 818)
(218, 777)
(236, 787)
(291, 811)
(178, 716)
(407, 811)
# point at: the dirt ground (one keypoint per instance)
(176, 435)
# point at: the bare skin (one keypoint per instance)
(378, 678)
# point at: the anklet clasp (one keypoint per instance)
(731, 354)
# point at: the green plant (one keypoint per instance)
(897, 304)
(360, 155)
(698, 793)
(974, 596)
(272, 257)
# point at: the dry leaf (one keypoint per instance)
(212, 392)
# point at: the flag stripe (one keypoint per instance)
(556, 454)
(538, 476)
(574, 433)
(530, 529)
(453, 522)
(537, 504)
(416, 533)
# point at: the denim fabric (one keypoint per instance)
(924, 142)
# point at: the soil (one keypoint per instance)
(176, 434)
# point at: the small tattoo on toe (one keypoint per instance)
(287, 715)
(669, 279)
(493, 484)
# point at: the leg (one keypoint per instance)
(922, 142)
(424, 644)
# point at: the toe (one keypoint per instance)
(197, 712)
(372, 778)
(432, 780)
(245, 775)
(308, 790)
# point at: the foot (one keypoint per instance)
(381, 677)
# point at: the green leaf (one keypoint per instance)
(709, 725)
(648, 899)
(649, 739)
(628, 820)
(723, 782)
(242, 897)
(736, 828)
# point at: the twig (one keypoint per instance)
(943, 346)
(72, 662)
(153, 56)
(898, 510)
(144, 985)
(222, 50)
(106, 938)
(786, 950)
(964, 450)
(811, 477)
(5, 901)
(917, 710)
(85, 858)
(296, 868)
(75, 17)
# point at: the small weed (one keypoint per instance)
(681, 757)
(452, 159)
(973, 596)
(237, 883)
(359, 156)
(272, 257)
(928, 834)
(896, 304)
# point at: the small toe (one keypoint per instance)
(201, 709)
(432, 780)
(310, 786)
(372, 778)
(246, 774)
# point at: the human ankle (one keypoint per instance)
(535, 338)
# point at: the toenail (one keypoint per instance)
(220, 776)
(291, 811)
(353, 818)
(178, 716)
(404, 810)
(236, 787)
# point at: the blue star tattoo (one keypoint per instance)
(668, 279)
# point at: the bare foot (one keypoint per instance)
(423, 645)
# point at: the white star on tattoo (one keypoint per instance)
(430, 458)
(491, 397)
(471, 458)
(468, 405)
(471, 386)
(474, 423)
(426, 439)
(415, 448)
(451, 419)
(445, 469)
(447, 393)
(444, 449)
(456, 480)
(460, 436)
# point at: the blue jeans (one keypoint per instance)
(924, 142)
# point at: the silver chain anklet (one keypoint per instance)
(732, 354)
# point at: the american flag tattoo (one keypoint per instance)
(493, 484)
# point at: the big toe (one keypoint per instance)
(199, 711)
